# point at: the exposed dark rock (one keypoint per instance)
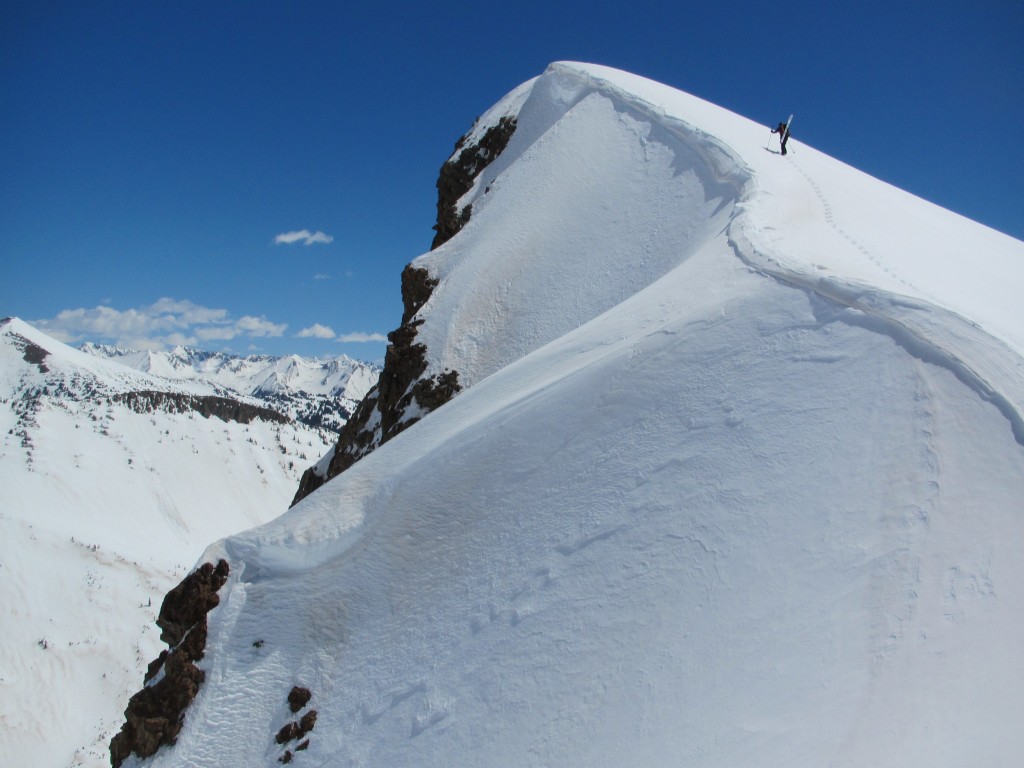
(398, 387)
(457, 176)
(288, 755)
(307, 722)
(154, 667)
(35, 354)
(31, 352)
(296, 730)
(224, 408)
(389, 406)
(190, 601)
(287, 733)
(308, 483)
(434, 392)
(155, 714)
(298, 698)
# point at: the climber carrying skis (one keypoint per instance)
(783, 131)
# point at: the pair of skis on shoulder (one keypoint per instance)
(783, 135)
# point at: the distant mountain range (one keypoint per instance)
(321, 393)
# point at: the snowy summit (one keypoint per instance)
(732, 475)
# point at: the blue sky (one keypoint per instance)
(155, 153)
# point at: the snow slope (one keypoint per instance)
(103, 509)
(736, 480)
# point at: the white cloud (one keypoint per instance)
(316, 331)
(259, 326)
(217, 333)
(188, 313)
(166, 322)
(321, 276)
(304, 236)
(359, 338)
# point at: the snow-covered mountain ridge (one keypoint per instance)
(320, 393)
(779, 229)
(113, 482)
(733, 477)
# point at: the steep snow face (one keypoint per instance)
(753, 495)
(621, 199)
(102, 510)
(635, 181)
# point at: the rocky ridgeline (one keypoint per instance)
(155, 714)
(207, 406)
(314, 392)
(403, 395)
(457, 176)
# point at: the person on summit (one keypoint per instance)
(783, 135)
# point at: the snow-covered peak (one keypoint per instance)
(77, 369)
(340, 377)
(733, 479)
(638, 177)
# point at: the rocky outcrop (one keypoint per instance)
(155, 714)
(403, 395)
(30, 351)
(458, 174)
(36, 355)
(223, 408)
(298, 698)
(297, 729)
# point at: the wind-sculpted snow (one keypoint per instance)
(626, 195)
(735, 478)
(936, 335)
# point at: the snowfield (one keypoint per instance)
(735, 480)
(103, 509)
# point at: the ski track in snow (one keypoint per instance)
(919, 326)
(830, 219)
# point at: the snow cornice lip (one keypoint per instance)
(648, 98)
